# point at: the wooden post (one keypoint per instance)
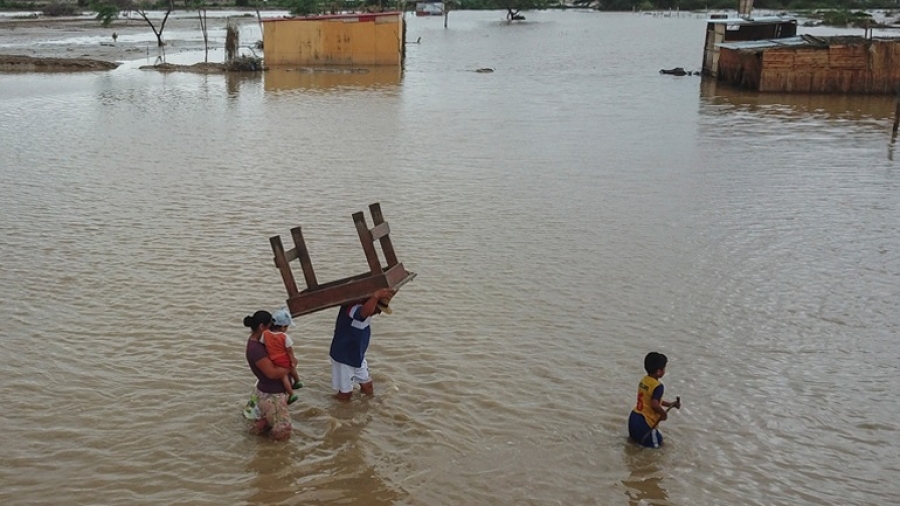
(896, 125)
(282, 263)
(305, 261)
(386, 246)
(446, 4)
(896, 116)
(368, 245)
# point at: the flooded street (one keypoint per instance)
(565, 215)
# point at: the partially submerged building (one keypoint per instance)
(808, 64)
(341, 39)
(723, 29)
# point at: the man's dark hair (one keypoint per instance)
(654, 361)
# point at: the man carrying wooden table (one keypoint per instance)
(352, 333)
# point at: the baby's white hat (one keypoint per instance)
(282, 318)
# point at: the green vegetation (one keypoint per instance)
(106, 12)
(302, 7)
(857, 19)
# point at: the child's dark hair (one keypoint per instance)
(258, 318)
(654, 361)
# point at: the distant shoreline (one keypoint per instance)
(82, 44)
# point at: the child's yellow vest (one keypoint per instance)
(645, 392)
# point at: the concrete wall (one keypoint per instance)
(347, 39)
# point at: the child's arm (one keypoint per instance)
(657, 406)
(676, 404)
(290, 352)
(664, 413)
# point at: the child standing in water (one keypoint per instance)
(650, 408)
(280, 348)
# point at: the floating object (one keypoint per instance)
(677, 71)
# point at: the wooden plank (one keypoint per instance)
(335, 296)
(380, 231)
(847, 57)
(397, 276)
(281, 262)
(341, 281)
(305, 261)
(779, 59)
(348, 290)
(368, 246)
(386, 245)
(811, 58)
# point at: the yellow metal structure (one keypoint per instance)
(343, 39)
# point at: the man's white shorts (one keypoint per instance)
(343, 375)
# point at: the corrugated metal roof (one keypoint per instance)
(800, 40)
(762, 20)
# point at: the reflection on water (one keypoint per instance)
(785, 117)
(797, 105)
(235, 80)
(644, 485)
(281, 79)
(342, 470)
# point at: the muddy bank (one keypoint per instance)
(19, 63)
(246, 64)
(125, 40)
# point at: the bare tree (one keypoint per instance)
(201, 13)
(141, 7)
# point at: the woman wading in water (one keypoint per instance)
(270, 397)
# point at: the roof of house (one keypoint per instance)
(801, 40)
(761, 20)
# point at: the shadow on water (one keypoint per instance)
(644, 485)
(284, 79)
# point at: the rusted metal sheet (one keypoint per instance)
(342, 39)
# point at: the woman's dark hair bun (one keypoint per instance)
(258, 318)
